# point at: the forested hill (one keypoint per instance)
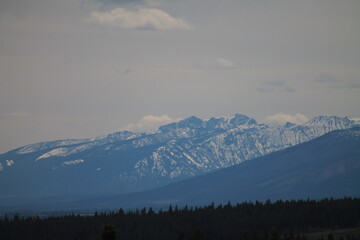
(246, 221)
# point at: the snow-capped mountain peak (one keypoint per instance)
(127, 161)
(330, 120)
(224, 123)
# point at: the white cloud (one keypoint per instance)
(136, 2)
(141, 18)
(149, 123)
(282, 118)
(224, 63)
(16, 114)
(355, 119)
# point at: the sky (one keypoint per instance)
(83, 68)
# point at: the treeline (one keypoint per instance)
(287, 220)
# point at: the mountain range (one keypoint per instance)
(328, 166)
(126, 162)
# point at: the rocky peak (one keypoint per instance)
(331, 121)
(239, 119)
(190, 122)
(289, 124)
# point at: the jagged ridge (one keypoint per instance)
(125, 161)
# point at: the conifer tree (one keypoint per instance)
(109, 232)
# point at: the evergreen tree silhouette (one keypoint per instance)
(197, 235)
(330, 237)
(109, 232)
(274, 235)
(180, 236)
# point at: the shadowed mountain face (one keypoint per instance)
(126, 162)
(328, 166)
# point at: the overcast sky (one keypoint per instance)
(82, 68)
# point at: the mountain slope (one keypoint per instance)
(125, 162)
(328, 166)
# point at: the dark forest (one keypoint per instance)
(245, 221)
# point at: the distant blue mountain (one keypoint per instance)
(125, 162)
(328, 166)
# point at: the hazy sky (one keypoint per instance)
(82, 68)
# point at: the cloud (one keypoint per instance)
(127, 71)
(149, 123)
(265, 89)
(281, 118)
(224, 63)
(289, 89)
(122, 1)
(355, 119)
(141, 18)
(347, 86)
(325, 78)
(271, 86)
(16, 114)
(273, 83)
(219, 63)
(336, 83)
(353, 85)
(143, 2)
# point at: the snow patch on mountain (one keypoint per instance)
(46, 145)
(58, 152)
(74, 162)
(9, 163)
(176, 151)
